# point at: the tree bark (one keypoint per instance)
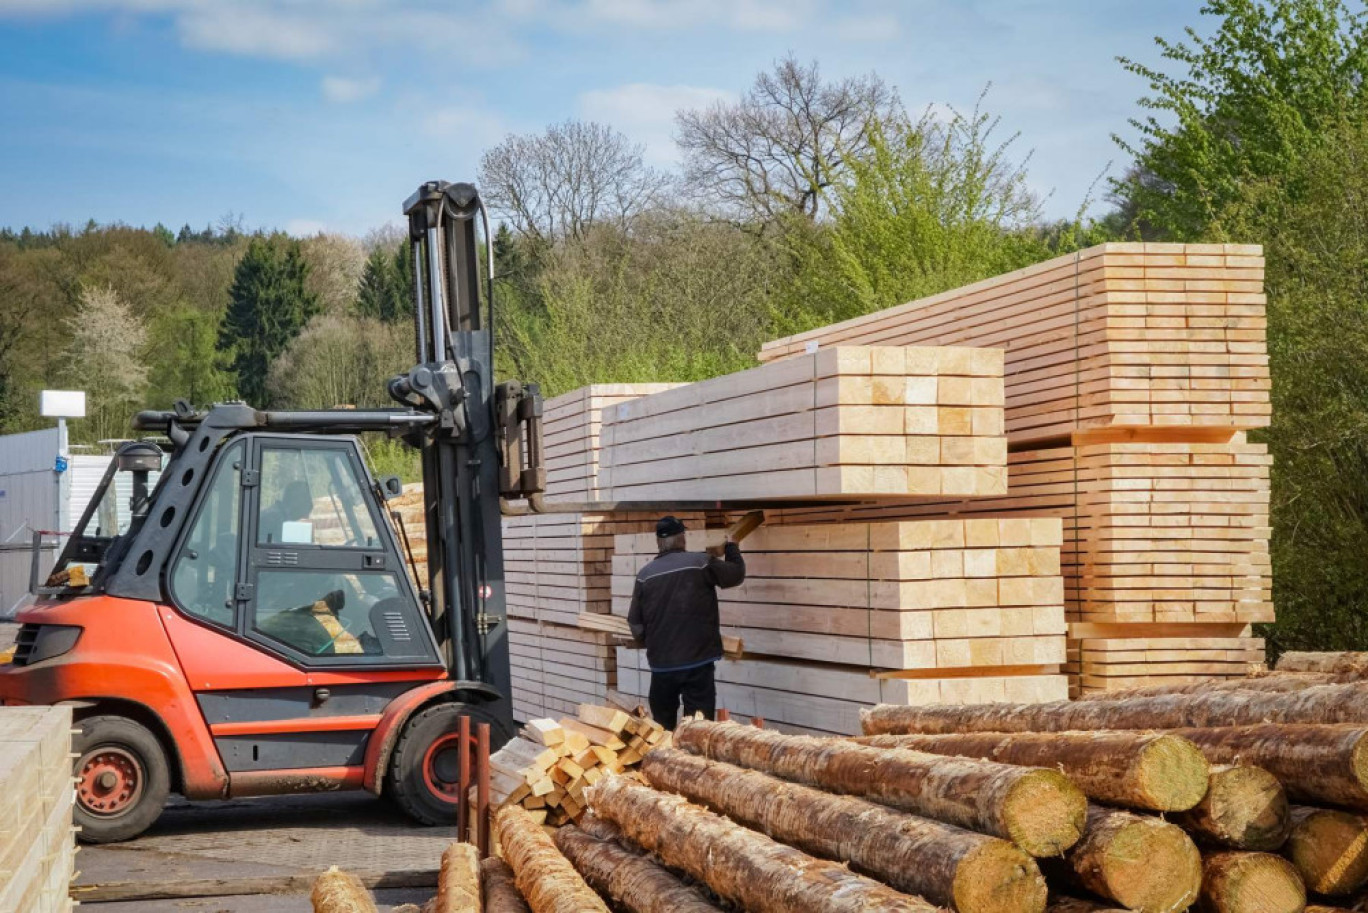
(1144, 770)
(630, 879)
(1319, 765)
(1250, 883)
(1319, 704)
(545, 878)
(1272, 682)
(336, 891)
(1329, 849)
(739, 865)
(1245, 808)
(1352, 663)
(458, 880)
(1037, 809)
(498, 888)
(945, 864)
(1141, 863)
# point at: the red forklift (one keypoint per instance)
(233, 615)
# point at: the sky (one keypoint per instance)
(324, 115)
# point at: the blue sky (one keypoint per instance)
(326, 114)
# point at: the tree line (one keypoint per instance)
(806, 200)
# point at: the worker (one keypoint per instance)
(674, 615)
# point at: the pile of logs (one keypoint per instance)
(547, 768)
(1223, 800)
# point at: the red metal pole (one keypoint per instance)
(463, 810)
(723, 715)
(758, 722)
(482, 788)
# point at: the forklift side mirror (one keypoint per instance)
(392, 486)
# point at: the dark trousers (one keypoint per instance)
(694, 687)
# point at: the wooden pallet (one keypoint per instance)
(1118, 335)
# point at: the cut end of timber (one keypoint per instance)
(1045, 813)
(1358, 763)
(1330, 850)
(1245, 808)
(1172, 774)
(1151, 866)
(999, 878)
(1251, 883)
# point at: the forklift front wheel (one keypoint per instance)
(122, 779)
(424, 774)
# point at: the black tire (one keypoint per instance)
(122, 779)
(414, 780)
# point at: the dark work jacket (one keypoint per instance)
(674, 606)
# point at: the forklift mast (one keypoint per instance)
(483, 449)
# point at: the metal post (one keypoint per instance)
(463, 811)
(482, 789)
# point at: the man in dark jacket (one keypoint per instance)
(674, 613)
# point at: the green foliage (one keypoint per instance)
(1247, 103)
(340, 361)
(387, 457)
(1316, 244)
(386, 289)
(675, 299)
(269, 304)
(932, 206)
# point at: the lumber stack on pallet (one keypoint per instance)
(547, 767)
(1122, 663)
(1285, 815)
(942, 607)
(1118, 335)
(845, 423)
(1132, 371)
(37, 841)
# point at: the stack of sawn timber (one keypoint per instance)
(845, 422)
(1286, 812)
(547, 767)
(37, 842)
(949, 610)
(1132, 372)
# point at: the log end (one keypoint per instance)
(998, 877)
(1171, 774)
(1045, 813)
(1330, 850)
(1150, 865)
(1250, 883)
(1246, 808)
(336, 891)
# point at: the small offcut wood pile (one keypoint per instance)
(546, 769)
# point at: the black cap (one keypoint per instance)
(667, 527)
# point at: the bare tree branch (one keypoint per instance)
(772, 153)
(558, 183)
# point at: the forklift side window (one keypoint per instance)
(311, 496)
(206, 567)
(338, 613)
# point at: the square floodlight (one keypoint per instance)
(62, 403)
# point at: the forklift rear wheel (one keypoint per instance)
(424, 774)
(122, 779)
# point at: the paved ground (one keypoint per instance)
(216, 846)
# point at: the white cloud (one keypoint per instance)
(742, 15)
(341, 89)
(646, 113)
(305, 228)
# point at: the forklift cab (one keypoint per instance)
(287, 547)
